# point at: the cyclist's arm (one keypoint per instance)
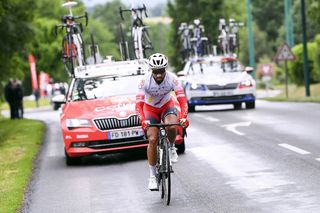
(140, 101)
(178, 89)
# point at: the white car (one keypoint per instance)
(218, 80)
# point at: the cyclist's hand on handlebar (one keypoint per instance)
(184, 122)
(145, 124)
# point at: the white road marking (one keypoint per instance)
(211, 119)
(246, 172)
(232, 127)
(318, 159)
(259, 179)
(294, 149)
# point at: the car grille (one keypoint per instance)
(222, 87)
(118, 143)
(114, 123)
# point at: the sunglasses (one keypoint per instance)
(159, 71)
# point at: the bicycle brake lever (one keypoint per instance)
(120, 10)
(55, 31)
(86, 16)
(145, 10)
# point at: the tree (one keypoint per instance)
(208, 11)
(15, 32)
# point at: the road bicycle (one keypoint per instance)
(163, 166)
(73, 51)
(184, 31)
(139, 33)
(198, 41)
(233, 35)
(228, 39)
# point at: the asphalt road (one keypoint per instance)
(261, 160)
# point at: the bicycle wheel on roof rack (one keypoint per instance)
(146, 43)
(68, 54)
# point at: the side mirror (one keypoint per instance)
(180, 74)
(249, 70)
(59, 99)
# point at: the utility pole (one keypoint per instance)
(305, 50)
(250, 36)
(288, 22)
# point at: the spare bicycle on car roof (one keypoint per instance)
(73, 52)
(139, 33)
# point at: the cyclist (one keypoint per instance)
(154, 103)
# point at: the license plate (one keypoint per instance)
(222, 93)
(129, 133)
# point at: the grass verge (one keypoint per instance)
(19, 144)
(28, 104)
(297, 94)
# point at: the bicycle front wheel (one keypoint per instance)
(166, 175)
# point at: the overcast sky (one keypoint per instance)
(148, 3)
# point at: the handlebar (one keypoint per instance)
(140, 9)
(164, 125)
(72, 18)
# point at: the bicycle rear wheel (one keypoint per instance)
(68, 53)
(166, 175)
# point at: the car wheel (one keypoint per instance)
(180, 147)
(250, 105)
(191, 108)
(55, 106)
(237, 105)
(71, 161)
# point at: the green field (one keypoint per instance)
(19, 144)
(28, 104)
(297, 94)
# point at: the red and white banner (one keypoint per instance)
(33, 72)
(44, 79)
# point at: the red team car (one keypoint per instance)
(99, 114)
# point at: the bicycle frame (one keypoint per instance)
(138, 31)
(72, 44)
(164, 168)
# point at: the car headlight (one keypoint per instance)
(195, 86)
(246, 83)
(76, 123)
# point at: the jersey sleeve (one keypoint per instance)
(179, 91)
(140, 96)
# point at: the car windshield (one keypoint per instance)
(203, 67)
(210, 67)
(102, 86)
(231, 66)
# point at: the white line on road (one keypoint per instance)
(318, 159)
(212, 119)
(232, 127)
(294, 149)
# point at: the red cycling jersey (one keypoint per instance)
(154, 101)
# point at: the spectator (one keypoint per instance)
(62, 89)
(20, 99)
(36, 94)
(14, 96)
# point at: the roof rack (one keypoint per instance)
(112, 68)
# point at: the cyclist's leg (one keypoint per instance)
(170, 115)
(152, 115)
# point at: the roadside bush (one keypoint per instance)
(296, 72)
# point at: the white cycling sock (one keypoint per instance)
(152, 170)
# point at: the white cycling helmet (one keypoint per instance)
(157, 61)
